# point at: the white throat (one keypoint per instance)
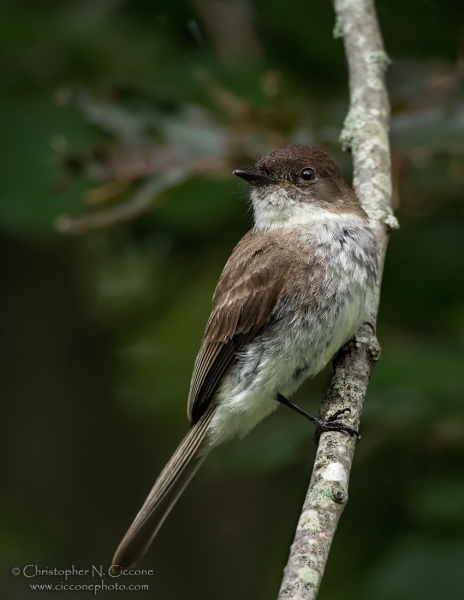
(274, 208)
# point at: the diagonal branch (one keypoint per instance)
(365, 132)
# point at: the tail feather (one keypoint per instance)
(164, 494)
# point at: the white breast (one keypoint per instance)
(280, 359)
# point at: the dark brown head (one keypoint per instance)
(300, 174)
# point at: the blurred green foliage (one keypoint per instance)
(100, 330)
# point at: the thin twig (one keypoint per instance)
(365, 132)
(146, 197)
(143, 199)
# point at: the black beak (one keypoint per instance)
(254, 177)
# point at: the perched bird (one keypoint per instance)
(295, 289)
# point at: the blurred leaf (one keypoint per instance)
(202, 207)
(28, 203)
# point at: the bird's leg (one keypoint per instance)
(329, 424)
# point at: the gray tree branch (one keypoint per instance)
(365, 133)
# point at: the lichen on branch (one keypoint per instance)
(365, 133)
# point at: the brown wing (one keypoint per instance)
(244, 299)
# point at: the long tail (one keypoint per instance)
(167, 489)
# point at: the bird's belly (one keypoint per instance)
(278, 361)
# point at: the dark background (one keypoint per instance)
(100, 329)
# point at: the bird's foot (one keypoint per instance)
(329, 424)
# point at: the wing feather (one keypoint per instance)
(245, 297)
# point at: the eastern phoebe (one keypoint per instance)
(295, 289)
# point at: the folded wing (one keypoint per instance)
(245, 297)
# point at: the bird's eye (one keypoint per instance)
(307, 174)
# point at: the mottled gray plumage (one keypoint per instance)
(295, 288)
